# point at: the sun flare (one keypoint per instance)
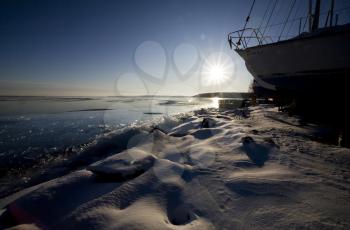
(217, 70)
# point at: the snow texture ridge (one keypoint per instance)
(252, 168)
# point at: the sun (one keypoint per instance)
(216, 71)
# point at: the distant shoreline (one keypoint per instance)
(225, 95)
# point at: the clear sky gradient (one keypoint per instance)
(123, 47)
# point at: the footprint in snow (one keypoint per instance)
(258, 153)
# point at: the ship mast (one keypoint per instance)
(316, 20)
(331, 13)
(310, 15)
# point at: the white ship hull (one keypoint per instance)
(311, 62)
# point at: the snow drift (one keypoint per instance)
(253, 168)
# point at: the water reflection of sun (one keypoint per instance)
(215, 102)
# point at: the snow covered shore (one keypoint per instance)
(253, 168)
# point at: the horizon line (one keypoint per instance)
(150, 95)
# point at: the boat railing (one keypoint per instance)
(249, 37)
(245, 38)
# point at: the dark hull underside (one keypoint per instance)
(330, 82)
(318, 98)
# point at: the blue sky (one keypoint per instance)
(100, 47)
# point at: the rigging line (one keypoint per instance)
(248, 17)
(268, 21)
(304, 23)
(246, 22)
(295, 16)
(265, 14)
(284, 26)
(281, 23)
(343, 9)
(279, 8)
(323, 13)
(262, 20)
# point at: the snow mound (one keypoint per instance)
(125, 165)
(272, 180)
(145, 213)
(205, 133)
(24, 227)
